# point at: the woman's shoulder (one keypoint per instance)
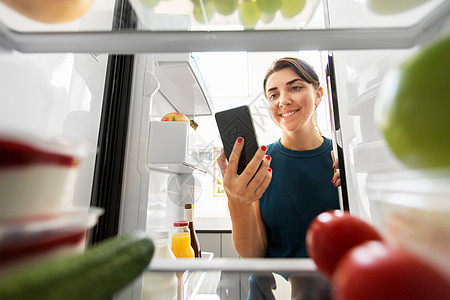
(327, 142)
(271, 147)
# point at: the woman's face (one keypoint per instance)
(292, 100)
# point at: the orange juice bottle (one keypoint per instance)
(181, 240)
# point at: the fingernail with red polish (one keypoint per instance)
(333, 166)
(268, 157)
(332, 180)
(270, 170)
(239, 140)
(263, 148)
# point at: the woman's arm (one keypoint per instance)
(243, 192)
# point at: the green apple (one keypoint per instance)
(413, 106)
(269, 6)
(291, 8)
(150, 3)
(249, 13)
(226, 7)
(387, 7)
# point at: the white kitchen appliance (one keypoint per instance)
(105, 79)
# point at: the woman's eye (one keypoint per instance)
(296, 88)
(272, 97)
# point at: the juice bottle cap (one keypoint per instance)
(188, 206)
(180, 223)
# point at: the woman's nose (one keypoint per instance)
(284, 100)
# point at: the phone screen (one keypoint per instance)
(234, 123)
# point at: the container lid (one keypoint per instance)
(188, 206)
(159, 233)
(13, 231)
(180, 223)
(45, 143)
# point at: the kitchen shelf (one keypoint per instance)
(300, 265)
(182, 84)
(217, 39)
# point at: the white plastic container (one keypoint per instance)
(32, 240)
(37, 174)
(412, 210)
(160, 285)
(173, 147)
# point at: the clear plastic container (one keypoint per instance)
(37, 174)
(32, 240)
(412, 210)
(160, 285)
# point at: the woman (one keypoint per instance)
(271, 206)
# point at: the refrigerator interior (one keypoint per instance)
(56, 95)
(65, 92)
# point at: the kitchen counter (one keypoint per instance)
(213, 223)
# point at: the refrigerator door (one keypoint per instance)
(356, 85)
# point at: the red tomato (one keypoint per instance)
(331, 234)
(374, 271)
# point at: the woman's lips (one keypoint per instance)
(288, 113)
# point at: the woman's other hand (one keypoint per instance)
(250, 185)
(336, 180)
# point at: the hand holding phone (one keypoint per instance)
(234, 123)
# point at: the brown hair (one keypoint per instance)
(304, 70)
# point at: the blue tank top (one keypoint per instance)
(300, 189)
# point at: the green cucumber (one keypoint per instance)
(97, 274)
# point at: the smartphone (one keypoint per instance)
(234, 123)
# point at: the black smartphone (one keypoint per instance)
(234, 123)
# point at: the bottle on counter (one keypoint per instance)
(189, 216)
(160, 285)
(181, 240)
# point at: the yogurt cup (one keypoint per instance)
(37, 174)
(24, 241)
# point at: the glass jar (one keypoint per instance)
(160, 285)
(181, 240)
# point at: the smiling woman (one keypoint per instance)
(287, 183)
(234, 79)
